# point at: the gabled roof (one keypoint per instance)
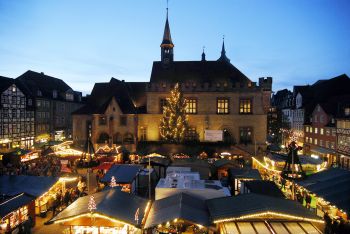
(123, 173)
(14, 203)
(5, 82)
(32, 185)
(111, 203)
(242, 206)
(197, 71)
(180, 206)
(103, 93)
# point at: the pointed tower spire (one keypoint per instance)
(167, 45)
(223, 57)
(203, 54)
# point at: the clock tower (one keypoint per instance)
(167, 46)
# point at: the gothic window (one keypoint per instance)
(102, 120)
(143, 133)
(123, 120)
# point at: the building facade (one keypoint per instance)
(16, 116)
(320, 134)
(343, 136)
(54, 102)
(218, 97)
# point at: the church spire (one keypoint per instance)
(223, 57)
(203, 54)
(167, 44)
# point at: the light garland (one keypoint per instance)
(268, 213)
(95, 215)
(267, 168)
(113, 182)
(92, 204)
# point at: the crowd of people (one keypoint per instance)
(43, 166)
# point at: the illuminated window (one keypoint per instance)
(162, 103)
(191, 134)
(143, 133)
(315, 141)
(222, 106)
(347, 111)
(316, 130)
(191, 105)
(310, 140)
(310, 129)
(321, 131)
(245, 106)
(307, 129)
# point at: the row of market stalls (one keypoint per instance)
(119, 212)
(27, 196)
(329, 189)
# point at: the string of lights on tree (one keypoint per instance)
(113, 182)
(92, 204)
(174, 123)
(292, 134)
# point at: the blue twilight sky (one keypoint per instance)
(85, 41)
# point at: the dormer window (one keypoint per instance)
(30, 102)
(13, 88)
(347, 111)
(39, 93)
(54, 94)
(69, 96)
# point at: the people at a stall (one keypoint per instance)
(328, 222)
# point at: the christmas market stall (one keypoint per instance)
(126, 175)
(254, 213)
(331, 189)
(109, 211)
(222, 166)
(238, 175)
(42, 188)
(16, 211)
(180, 213)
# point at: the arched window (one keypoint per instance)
(117, 138)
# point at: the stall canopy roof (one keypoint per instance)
(245, 173)
(32, 185)
(14, 203)
(180, 206)
(123, 174)
(303, 159)
(263, 187)
(112, 203)
(332, 185)
(248, 204)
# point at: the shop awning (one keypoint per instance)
(180, 206)
(32, 185)
(322, 150)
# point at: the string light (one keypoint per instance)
(266, 214)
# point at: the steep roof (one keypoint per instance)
(167, 35)
(5, 82)
(14, 203)
(263, 187)
(127, 95)
(35, 81)
(180, 206)
(197, 71)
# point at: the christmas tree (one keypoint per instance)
(113, 182)
(92, 204)
(174, 123)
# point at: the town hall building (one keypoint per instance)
(220, 99)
